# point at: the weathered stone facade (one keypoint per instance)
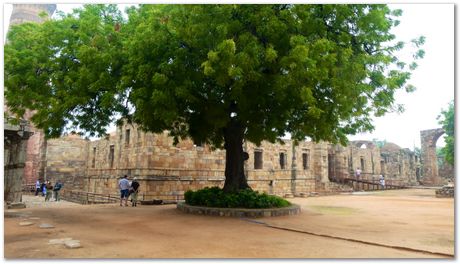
(401, 165)
(445, 170)
(30, 13)
(446, 192)
(14, 154)
(166, 171)
(66, 160)
(430, 173)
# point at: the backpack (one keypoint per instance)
(57, 187)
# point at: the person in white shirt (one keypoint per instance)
(358, 174)
(123, 184)
(38, 187)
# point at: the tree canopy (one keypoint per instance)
(219, 74)
(67, 70)
(447, 120)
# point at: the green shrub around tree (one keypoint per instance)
(247, 198)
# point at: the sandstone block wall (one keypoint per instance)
(446, 192)
(446, 172)
(163, 170)
(166, 171)
(272, 178)
(14, 157)
(34, 165)
(66, 159)
(430, 173)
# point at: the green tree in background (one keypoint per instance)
(67, 70)
(219, 74)
(447, 120)
(379, 143)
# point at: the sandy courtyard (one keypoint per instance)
(391, 224)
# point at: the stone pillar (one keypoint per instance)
(30, 13)
(15, 146)
(429, 138)
(293, 168)
(320, 168)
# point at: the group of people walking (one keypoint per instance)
(47, 189)
(127, 189)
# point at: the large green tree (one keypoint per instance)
(447, 120)
(67, 70)
(219, 74)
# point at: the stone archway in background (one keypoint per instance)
(429, 138)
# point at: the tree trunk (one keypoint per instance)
(234, 158)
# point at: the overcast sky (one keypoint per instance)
(434, 78)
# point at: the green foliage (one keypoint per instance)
(318, 71)
(67, 70)
(379, 143)
(418, 151)
(447, 120)
(441, 157)
(210, 72)
(216, 197)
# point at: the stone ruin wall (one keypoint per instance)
(446, 172)
(370, 157)
(272, 178)
(432, 174)
(14, 162)
(400, 164)
(66, 159)
(166, 171)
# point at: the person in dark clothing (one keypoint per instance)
(134, 191)
(57, 188)
(49, 191)
(42, 188)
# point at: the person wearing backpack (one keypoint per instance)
(56, 189)
(134, 191)
(49, 189)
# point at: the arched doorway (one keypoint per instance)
(429, 138)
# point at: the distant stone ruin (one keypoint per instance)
(166, 171)
(431, 173)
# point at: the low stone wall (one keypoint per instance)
(445, 192)
(238, 212)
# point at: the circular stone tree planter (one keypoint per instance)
(238, 212)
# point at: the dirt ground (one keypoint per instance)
(390, 224)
